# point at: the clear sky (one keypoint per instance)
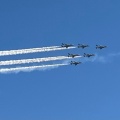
(90, 91)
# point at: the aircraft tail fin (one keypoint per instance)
(71, 62)
(68, 54)
(96, 46)
(84, 54)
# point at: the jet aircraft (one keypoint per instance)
(82, 46)
(100, 46)
(66, 45)
(75, 63)
(72, 55)
(88, 55)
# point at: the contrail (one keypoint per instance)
(32, 50)
(30, 68)
(34, 60)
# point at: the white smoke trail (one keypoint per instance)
(37, 60)
(30, 68)
(32, 50)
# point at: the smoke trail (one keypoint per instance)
(30, 68)
(114, 54)
(37, 60)
(32, 50)
(97, 58)
(102, 58)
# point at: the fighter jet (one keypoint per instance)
(75, 63)
(88, 55)
(66, 45)
(82, 46)
(100, 46)
(72, 55)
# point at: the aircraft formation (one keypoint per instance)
(84, 55)
(46, 60)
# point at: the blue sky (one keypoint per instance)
(89, 91)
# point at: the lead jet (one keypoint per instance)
(66, 45)
(75, 63)
(82, 46)
(72, 55)
(100, 46)
(88, 55)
